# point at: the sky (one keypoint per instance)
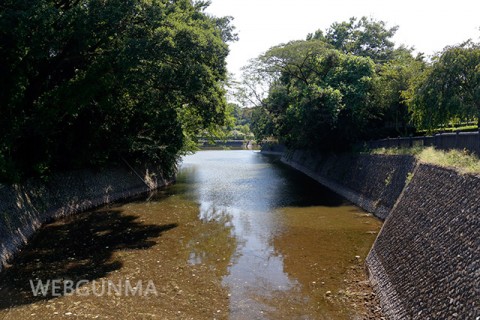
(427, 25)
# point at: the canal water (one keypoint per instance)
(239, 236)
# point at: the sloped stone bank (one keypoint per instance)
(25, 208)
(425, 263)
(373, 182)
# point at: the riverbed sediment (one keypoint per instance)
(239, 236)
(425, 261)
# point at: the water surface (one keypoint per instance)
(239, 236)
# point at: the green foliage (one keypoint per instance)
(460, 160)
(364, 37)
(350, 83)
(319, 96)
(86, 82)
(448, 91)
(262, 124)
(321, 92)
(395, 77)
(236, 126)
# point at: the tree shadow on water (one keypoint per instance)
(77, 248)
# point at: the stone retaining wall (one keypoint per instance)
(25, 208)
(273, 148)
(373, 182)
(425, 263)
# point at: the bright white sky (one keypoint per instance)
(427, 25)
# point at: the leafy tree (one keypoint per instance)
(86, 82)
(450, 89)
(242, 116)
(320, 96)
(262, 124)
(236, 126)
(364, 37)
(321, 91)
(350, 83)
(391, 89)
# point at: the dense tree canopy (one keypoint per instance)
(318, 95)
(323, 99)
(390, 95)
(350, 83)
(364, 37)
(449, 90)
(236, 126)
(320, 90)
(89, 81)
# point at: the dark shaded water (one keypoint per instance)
(239, 236)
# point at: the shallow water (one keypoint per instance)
(239, 236)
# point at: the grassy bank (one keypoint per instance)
(460, 160)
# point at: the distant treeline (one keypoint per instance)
(351, 83)
(237, 125)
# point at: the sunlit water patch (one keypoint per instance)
(239, 236)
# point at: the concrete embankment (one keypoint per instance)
(425, 263)
(273, 149)
(25, 207)
(373, 182)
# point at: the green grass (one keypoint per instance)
(450, 129)
(414, 151)
(460, 160)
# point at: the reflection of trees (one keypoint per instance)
(214, 243)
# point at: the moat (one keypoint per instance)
(239, 236)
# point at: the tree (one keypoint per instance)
(364, 37)
(319, 97)
(87, 82)
(391, 89)
(262, 124)
(450, 89)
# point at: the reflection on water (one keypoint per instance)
(239, 236)
(280, 220)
